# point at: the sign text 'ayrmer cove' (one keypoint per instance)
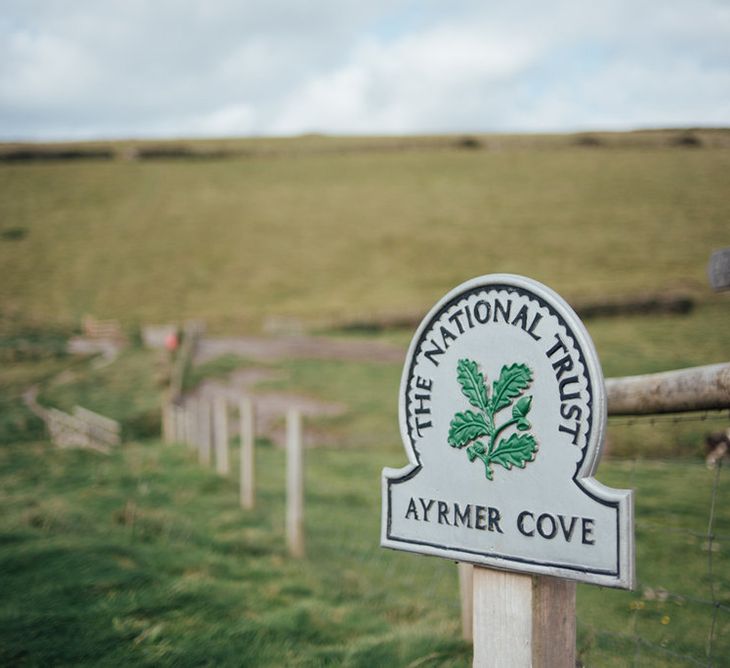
(503, 414)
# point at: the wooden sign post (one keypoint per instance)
(466, 594)
(502, 415)
(523, 620)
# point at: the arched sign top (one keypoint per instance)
(502, 415)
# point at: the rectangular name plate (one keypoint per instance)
(718, 270)
(503, 415)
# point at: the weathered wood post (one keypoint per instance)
(168, 419)
(204, 431)
(193, 409)
(503, 414)
(294, 484)
(191, 420)
(700, 388)
(101, 430)
(248, 457)
(182, 424)
(220, 434)
(466, 594)
(523, 620)
(179, 413)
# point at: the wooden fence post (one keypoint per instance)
(523, 620)
(248, 458)
(294, 484)
(190, 422)
(181, 433)
(204, 431)
(220, 434)
(176, 424)
(466, 590)
(168, 420)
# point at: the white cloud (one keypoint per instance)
(421, 81)
(209, 67)
(37, 67)
(234, 119)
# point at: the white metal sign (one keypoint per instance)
(503, 414)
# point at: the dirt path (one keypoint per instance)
(299, 347)
(272, 406)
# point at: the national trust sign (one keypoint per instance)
(503, 415)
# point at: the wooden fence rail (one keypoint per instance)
(683, 390)
(695, 389)
(79, 431)
(83, 429)
(102, 329)
(101, 429)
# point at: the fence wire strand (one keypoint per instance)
(641, 645)
(710, 573)
(436, 581)
(639, 642)
(673, 418)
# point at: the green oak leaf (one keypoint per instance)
(513, 380)
(472, 383)
(522, 407)
(516, 450)
(474, 450)
(466, 427)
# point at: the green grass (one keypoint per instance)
(128, 390)
(150, 555)
(17, 423)
(629, 346)
(143, 558)
(331, 237)
(672, 605)
(220, 368)
(30, 353)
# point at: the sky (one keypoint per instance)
(96, 69)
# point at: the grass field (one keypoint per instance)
(143, 558)
(331, 236)
(129, 389)
(150, 555)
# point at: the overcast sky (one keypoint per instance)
(78, 69)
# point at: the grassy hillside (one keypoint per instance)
(144, 558)
(332, 235)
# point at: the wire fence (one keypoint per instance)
(696, 539)
(679, 613)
